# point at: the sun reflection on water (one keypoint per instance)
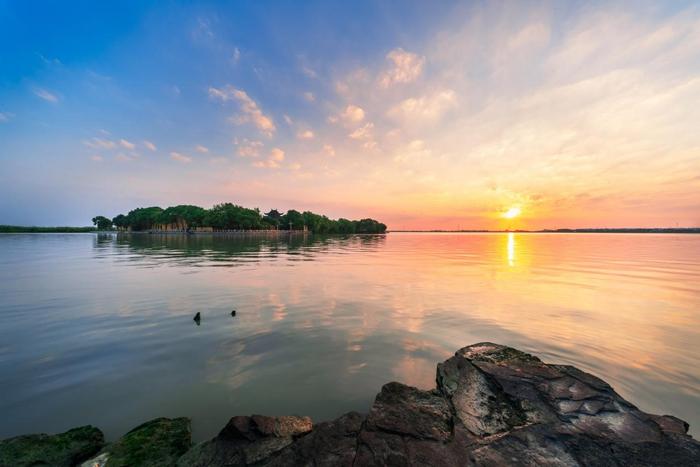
(511, 249)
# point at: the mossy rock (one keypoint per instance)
(64, 449)
(159, 442)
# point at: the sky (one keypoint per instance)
(422, 115)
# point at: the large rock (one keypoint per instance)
(157, 443)
(493, 406)
(65, 449)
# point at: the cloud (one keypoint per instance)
(406, 67)
(288, 119)
(363, 133)
(126, 157)
(46, 95)
(5, 117)
(250, 148)
(96, 158)
(309, 72)
(127, 144)
(305, 134)
(309, 96)
(424, 108)
(98, 143)
(250, 111)
(201, 149)
(329, 150)
(273, 161)
(150, 146)
(236, 55)
(176, 156)
(353, 114)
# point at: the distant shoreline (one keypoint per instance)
(38, 229)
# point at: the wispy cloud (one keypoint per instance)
(273, 161)
(46, 95)
(176, 156)
(5, 117)
(127, 144)
(249, 148)
(250, 111)
(150, 146)
(305, 134)
(99, 143)
(201, 149)
(406, 67)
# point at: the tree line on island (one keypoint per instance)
(229, 216)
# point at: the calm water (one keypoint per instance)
(98, 328)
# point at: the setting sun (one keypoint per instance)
(511, 213)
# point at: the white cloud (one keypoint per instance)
(176, 156)
(363, 133)
(127, 144)
(250, 111)
(96, 158)
(309, 96)
(288, 119)
(46, 95)
(150, 146)
(353, 114)
(305, 134)
(236, 55)
(273, 161)
(202, 149)
(250, 148)
(407, 67)
(424, 108)
(98, 143)
(5, 117)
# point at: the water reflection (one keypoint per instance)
(323, 322)
(511, 249)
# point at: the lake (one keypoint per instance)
(98, 329)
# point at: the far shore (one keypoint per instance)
(634, 230)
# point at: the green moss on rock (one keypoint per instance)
(64, 449)
(159, 442)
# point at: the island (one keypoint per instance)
(226, 217)
(492, 405)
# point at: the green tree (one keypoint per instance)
(102, 223)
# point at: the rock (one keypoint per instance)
(409, 411)
(247, 440)
(65, 449)
(477, 398)
(233, 313)
(197, 318)
(496, 406)
(159, 442)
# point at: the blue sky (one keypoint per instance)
(422, 114)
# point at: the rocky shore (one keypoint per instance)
(493, 406)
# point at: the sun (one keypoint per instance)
(511, 213)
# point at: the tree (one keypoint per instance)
(102, 223)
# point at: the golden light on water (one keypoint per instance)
(511, 249)
(511, 213)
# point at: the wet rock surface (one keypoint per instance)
(493, 406)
